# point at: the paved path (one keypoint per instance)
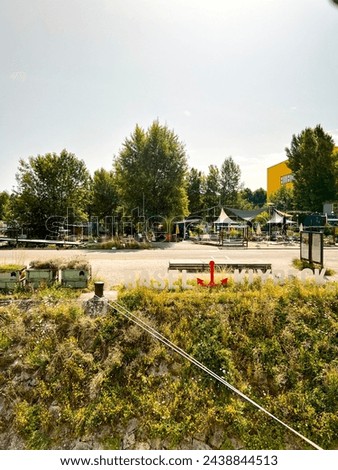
(112, 266)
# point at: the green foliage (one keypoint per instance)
(120, 243)
(75, 263)
(5, 341)
(252, 199)
(150, 172)
(313, 162)
(66, 376)
(304, 264)
(52, 263)
(283, 198)
(104, 194)
(47, 186)
(262, 218)
(6, 268)
(4, 200)
(221, 186)
(195, 190)
(230, 176)
(212, 187)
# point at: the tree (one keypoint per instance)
(212, 187)
(104, 194)
(312, 159)
(195, 190)
(151, 172)
(253, 199)
(283, 198)
(48, 186)
(259, 197)
(230, 176)
(4, 199)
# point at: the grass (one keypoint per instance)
(304, 264)
(59, 263)
(45, 264)
(65, 376)
(4, 268)
(120, 244)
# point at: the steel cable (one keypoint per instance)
(130, 316)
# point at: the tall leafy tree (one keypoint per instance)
(253, 199)
(4, 199)
(151, 172)
(48, 186)
(212, 187)
(245, 199)
(104, 194)
(196, 190)
(259, 197)
(312, 159)
(230, 176)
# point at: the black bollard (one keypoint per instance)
(98, 286)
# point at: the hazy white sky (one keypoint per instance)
(231, 77)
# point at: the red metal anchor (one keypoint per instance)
(212, 283)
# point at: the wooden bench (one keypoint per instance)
(234, 242)
(203, 266)
(226, 243)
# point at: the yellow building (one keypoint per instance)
(280, 174)
(277, 176)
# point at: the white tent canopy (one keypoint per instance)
(224, 219)
(280, 218)
(276, 218)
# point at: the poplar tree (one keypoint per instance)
(230, 179)
(104, 194)
(196, 191)
(151, 173)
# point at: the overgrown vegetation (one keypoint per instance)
(120, 243)
(59, 263)
(304, 264)
(5, 268)
(66, 376)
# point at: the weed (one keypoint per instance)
(66, 375)
(304, 264)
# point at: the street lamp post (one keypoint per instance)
(270, 205)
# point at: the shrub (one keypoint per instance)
(45, 264)
(65, 376)
(5, 268)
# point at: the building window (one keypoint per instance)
(286, 179)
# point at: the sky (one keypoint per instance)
(232, 78)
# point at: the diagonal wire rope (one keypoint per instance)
(138, 321)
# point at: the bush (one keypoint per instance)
(65, 376)
(120, 244)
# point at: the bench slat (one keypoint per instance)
(204, 266)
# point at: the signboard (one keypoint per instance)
(311, 247)
(317, 248)
(305, 246)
